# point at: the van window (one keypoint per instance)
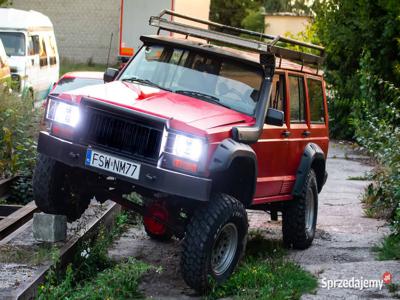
(14, 43)
(43, 53)
(297, 99)
(316, 98)
(278, 93)
(52, 50)
(34, 45)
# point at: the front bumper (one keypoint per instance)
(151, 177)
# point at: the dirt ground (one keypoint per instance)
(341, 249)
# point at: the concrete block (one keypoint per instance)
(49, 228)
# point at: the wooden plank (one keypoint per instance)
(5, 185)
(16, 219)
(8, 209)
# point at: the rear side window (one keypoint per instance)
(297, 100)
(316, 97)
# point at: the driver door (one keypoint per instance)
(272, 149)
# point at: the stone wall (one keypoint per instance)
(83, 28)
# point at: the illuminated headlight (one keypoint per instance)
(187, 147)
(63, 113)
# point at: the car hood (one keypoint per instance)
(161, 103)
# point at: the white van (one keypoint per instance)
(29, 41)
(4, 69)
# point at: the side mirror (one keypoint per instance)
(275, 117)
(110, 74)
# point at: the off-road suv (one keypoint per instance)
(201, 132)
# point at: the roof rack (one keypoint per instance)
(229, 35)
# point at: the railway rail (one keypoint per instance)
(16, 232)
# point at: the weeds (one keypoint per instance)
(389, 248)
(92, 275)
(266, 274)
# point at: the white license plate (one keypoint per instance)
(112, 164)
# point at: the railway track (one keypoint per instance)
(27, 287)
(16, 233)
(14, 216)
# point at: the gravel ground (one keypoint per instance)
(341, 249)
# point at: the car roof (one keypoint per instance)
(281, 64)
(84, 74)
(17, 19)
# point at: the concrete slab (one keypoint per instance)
(49, 228)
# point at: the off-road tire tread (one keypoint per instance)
(293, 225)
(47, 191)
(206, 219)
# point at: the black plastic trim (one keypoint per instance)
(311, 153)
(151, 177)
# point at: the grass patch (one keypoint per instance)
(389, 249)
(362, 178)
(118, 282)
(31, 256)
(266, 274)
(67, 66)
(92, 274)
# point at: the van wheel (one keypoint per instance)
(215, 240)
(299, 217)
(55, 189)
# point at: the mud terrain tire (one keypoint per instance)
(221, 225)
(299, 217)
(56, 189)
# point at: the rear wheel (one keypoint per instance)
(215, 240)
(56, 189)
(299, 218)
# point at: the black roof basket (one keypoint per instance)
(229, 35)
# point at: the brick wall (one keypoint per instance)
(82, 27)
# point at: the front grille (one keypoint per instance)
(121, 135)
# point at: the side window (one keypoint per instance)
(297, 100)
(315, 94)
(52, 50)
(278, 93)
(34, 45)
(43, 53)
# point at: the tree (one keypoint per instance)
(232, 12)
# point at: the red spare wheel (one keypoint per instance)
(156, 229)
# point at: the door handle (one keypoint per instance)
(286, 133)
(306, 133)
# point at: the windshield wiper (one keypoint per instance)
(202, 96)
(146, 82)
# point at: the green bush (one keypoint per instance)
(378, 131)
(19, 127)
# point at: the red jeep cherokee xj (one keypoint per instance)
(201, 132)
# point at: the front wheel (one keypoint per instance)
(299, 217)
(57, 189)
(215, 240)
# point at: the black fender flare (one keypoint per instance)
(226, 153)
(312, 154)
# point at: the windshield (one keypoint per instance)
(223, 81)
(14, 43)
(68, 84)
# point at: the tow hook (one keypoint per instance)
(151, 177)
(74, 155)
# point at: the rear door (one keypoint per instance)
(299, 127)
(318, 112)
